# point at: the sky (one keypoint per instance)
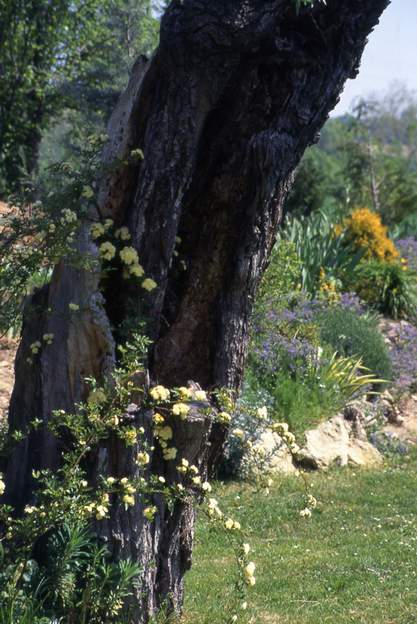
(390, 56)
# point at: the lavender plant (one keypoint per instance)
(408, 250)
(403, 353)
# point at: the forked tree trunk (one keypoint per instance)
(223, 113)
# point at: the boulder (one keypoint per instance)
(276, 454)
(341, 440)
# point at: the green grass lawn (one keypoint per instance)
(355, 560)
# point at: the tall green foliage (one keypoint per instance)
(57, 54)
(319, 249)
(41, 41)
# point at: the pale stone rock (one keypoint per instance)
(278, 458)
(338, 441)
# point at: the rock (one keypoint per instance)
(394, 417)
(339, 441)
(277, 456)
(390, 410)
(387, 396)
(353, 413)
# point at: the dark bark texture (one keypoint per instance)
(223, 113)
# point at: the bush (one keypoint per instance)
(303, 404)
(352, 335)
(293, 363)
(73, 581)
(365, 231)
(403, 352)
(303, 398)
(406, 227)
(387, 286)
(283, 274)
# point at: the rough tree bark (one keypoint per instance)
(223, 113)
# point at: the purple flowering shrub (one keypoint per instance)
(288, 358)
(408, 250)
(403, 352)
(287, 337)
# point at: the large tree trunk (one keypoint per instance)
(223, 113)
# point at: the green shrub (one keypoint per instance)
(406, 227)
(387, 286)
(283, 275)
(73, 580)
(352, 335)
(303, 405)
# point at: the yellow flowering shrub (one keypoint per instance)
(365, 230)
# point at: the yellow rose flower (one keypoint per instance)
(107, 250)
(128, 500)
(35, 346)
(149, 512)
(181, 410)
(224, 417)
(130, 437)
(149, 284)
(262, 413)
(129, 255)
(170, 453)
(87, 192)
(122, 233)
(158, 419)
(136, 270)
(48, 338)
(101, 512)
(185, 393)
(159, 393)
(165, 433)
(142, 459)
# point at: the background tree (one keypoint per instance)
(128, 29)
(222, 113)
(366, 158)
(59, 56)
